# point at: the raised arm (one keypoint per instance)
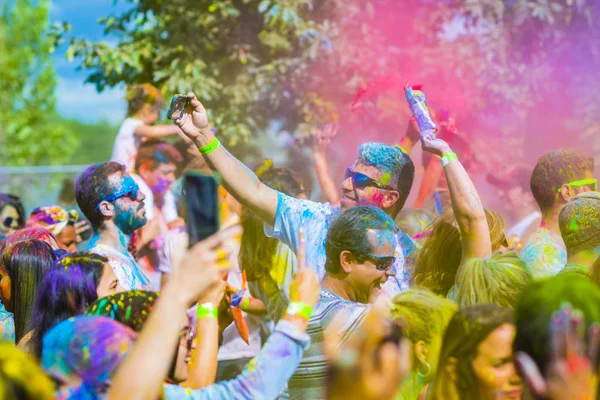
(411, 138)
(265, 376)
(202, 371)
(320, 145)
(432, 175)
(156, 131)
(142, 373)
(238, 179)
(468, 210)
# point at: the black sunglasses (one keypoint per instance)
(382, 263)
(361, 181)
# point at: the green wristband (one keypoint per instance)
(446, 159)
(207, 310)
(301, 309)
(209, 148)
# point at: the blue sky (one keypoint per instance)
(74, 98)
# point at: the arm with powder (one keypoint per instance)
(141, 374)
(320, 145)
(202, 370)
(429, 183)
(467, 206)
(266, 375)
(238, 179)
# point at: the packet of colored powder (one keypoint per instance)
(418, 105)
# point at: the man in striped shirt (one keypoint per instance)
(360, 250)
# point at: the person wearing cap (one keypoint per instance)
(518, 203)
(59, 222)
(579, 223)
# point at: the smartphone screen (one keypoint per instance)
(178, 105)
(202, 206)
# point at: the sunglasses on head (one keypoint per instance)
(129, 188)
(584, 182)
(382, 263)
(361, 181)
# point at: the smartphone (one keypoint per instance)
(178, 105)
(202, 206)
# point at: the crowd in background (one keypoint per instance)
(361, 296)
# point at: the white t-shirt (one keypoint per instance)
(127, 144)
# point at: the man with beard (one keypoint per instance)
(112, 202)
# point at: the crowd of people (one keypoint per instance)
(362, 296)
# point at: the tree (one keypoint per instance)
(494, 63)
(29, 132)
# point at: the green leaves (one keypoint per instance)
(30, 131)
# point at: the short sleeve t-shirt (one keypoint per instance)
(544, 254)
(127, 144)
(316, 218)
(127, 271)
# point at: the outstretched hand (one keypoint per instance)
(194, 119)
(432, 144)
(570, 373)
(323, 139)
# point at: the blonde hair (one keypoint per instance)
(441, 253)
(422, 313)
(497, 280)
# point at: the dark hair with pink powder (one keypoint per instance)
(66, 290)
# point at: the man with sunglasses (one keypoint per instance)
(380, 176)
(361, 252)
(112, 202)
(557, 177)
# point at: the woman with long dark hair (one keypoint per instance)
(476, 360)
(68, 288)
(22, 267)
